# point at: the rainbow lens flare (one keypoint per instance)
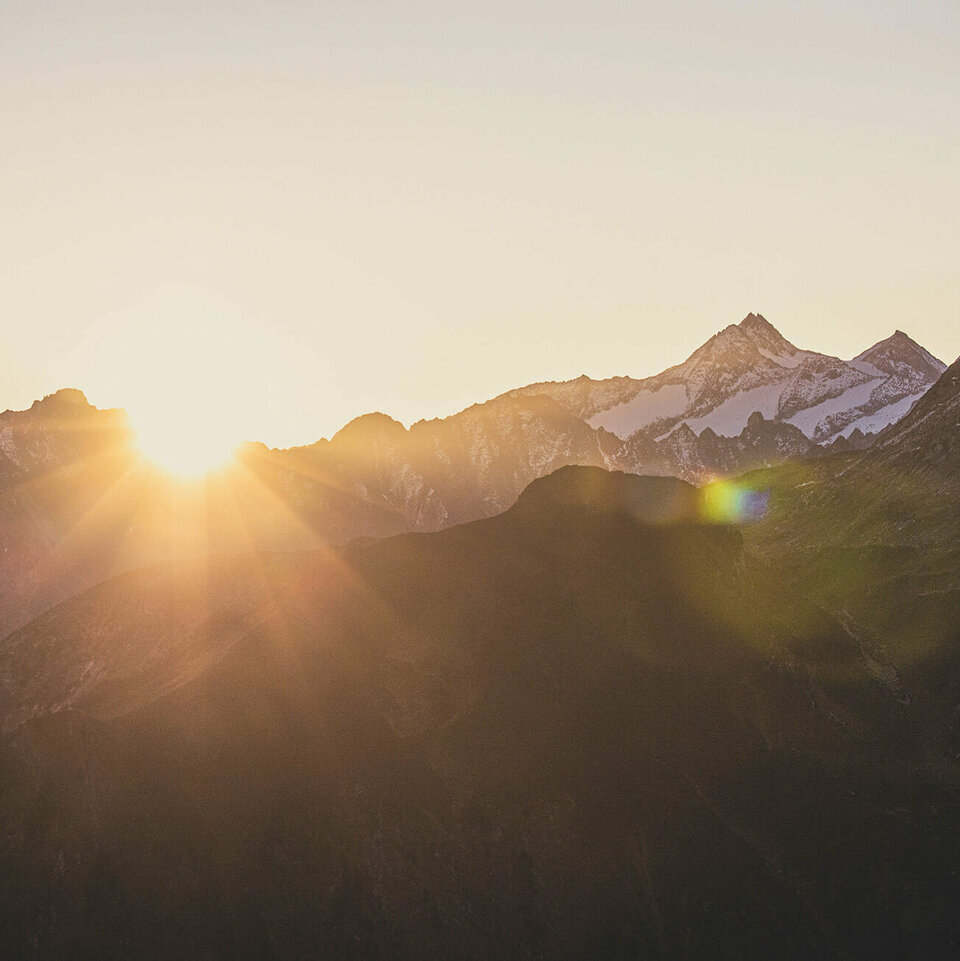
(726, 502)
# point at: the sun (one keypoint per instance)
(185, 443)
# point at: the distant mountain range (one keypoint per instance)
(750, 367)
(746, 398)
(77, 504)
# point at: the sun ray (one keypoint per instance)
(68, 558)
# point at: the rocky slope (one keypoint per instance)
(875, 536)
(927, 439)
(441, 472)
(902, 490)
(57, 460)
(60, 431)
(708, 456)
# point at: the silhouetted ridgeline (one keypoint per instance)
(590, 727)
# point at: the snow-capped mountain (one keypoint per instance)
(78, 505)
(750, 367)
(747, 398)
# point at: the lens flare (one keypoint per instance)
(727, 502)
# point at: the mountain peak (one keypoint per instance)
(900, 338)
(65, 398)
(648, 500)
(753, 341)
(901, 349)
(897, 337)
(765, 335)
(756, 322)
(369, 426)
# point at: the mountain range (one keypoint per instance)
(599, 725)
(606, 716)
(749, 367)
(77, 503)
(746, 398)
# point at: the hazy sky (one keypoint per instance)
(291, 213)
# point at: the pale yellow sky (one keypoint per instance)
(288, 214)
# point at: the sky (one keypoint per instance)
(277, 216)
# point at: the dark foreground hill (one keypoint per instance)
(587, 728)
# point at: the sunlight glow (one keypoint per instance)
(184, 443)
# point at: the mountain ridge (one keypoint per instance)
(77, 503)
(604, 723)
(752, 361)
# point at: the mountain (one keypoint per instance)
(749, 367)
(927, 439)
(875, 537)
(57, 460)
(900, 491)
(446, 471)
(78, 504)
(591, 727)
(60, 431)
(747, 398)
(708, 456)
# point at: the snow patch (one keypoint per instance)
(886, 415)
(645, 408)
(865, 367)
(729, 418)
(809, 419)
(785, 360)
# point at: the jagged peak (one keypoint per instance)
(756, 321)
(367, 424)
(759, 329)
(68, 402)
(59, 399)
(901, 343)
(754, 340)
(900, 347)
(897, 337)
